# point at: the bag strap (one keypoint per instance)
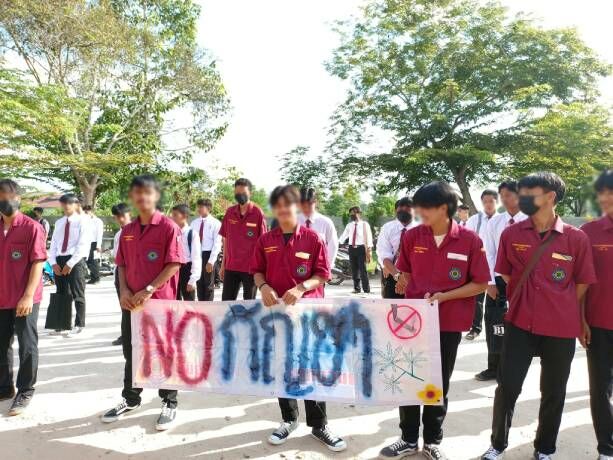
(536, 255)
(479, 223)
(189, 239)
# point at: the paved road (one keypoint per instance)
(80, 378)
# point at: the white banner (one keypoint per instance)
(339, 349)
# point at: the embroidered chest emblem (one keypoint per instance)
(301, 270)
(250, 233)
(16, 255)
(152, 256)
(559, 274)
(455, 274)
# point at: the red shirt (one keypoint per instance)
(143, 254)
(460, 259)
(598, 303)
(548, 302)
(24, 243)
(241, 234)
(287, 265)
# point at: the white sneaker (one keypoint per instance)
(492, 454)
(538, 456)
(280, 435)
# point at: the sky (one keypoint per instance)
(270, 54)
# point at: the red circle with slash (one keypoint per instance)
(404, 321)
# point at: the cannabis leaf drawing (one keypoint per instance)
(395, 363)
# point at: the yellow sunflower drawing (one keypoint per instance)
(431, 394)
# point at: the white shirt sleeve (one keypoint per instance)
(345, 234)
(99, 233)
(368, 236)
(472, 222)
(331, 241)
(385, 249)
(216, 226)
(490, 249)
(83, 245)
(196, 256)
(53, 247)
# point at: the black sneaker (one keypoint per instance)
(485, 375)
(117, 341)
(472, 334)
(492, 454)
(20, 403)
(7, 394)
(167, 417)
(433, 452)
(118, 411)
(280, 435)
(356, 291)
(332, 442)
(399, 449)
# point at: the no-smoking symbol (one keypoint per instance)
(404, 321)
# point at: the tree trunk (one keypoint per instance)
(88, 187)
(460, 180)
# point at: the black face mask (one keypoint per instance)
(9, 207)
(527, 205)
(353, 217)
(404, 216)
(241, 198)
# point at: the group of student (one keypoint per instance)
(545, 283)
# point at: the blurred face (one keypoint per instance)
(605, 201)
(432, 216)
(123, 219)
(285, 212)
(203, 211)
(489, 204)
(9, 203)
(145, 199)
(509, 199)
(532, 200)
(242, 194)
(307, 207)
(354, 215)
(69, 208)
(463, 214)
(404, 214)
(179, 218)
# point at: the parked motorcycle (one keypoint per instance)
(342, 268)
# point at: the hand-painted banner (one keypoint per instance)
(337, 349)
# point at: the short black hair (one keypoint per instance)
(244, 182)
(355, 209)
(69, 198)
(120, 209)
(404, 201)
(205, 202)
(464, 207)
(436, 194)
(288, 192)
(145, 181)
(308, 195)
(510, 185)
(182, 209)
(87, 208)
(9, 186)
(38, 209)
(548, 181)
(489, 192)
(605, 180)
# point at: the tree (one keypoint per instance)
(100, 81)
(449, 81)
(574, 141)
(381, 205)
(297, 169)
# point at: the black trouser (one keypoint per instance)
(206, 283)
(315, 412)
(495, 310)
(73, 284)
(132, 395)
(24, 327)
(93, 264)
(556, 355)
(433, 416)
(232, 281)
(357, 259)
(478, 318)
(185, 272)
(600, 367)
(388, 287)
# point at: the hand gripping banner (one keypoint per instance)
(339, 349)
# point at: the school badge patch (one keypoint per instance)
(16, 255)
(558, 275)
(301, 270)
(250, 233)
(455, 274)
(152, 255)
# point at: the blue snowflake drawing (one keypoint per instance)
(395, 364)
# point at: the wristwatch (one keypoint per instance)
(397, 276)
(150, 289)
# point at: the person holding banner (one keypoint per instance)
(443, 262)
(290, 262)
(148, 261)
(22, 254)
(548, 267)
(597, 335)
(388, 246)
(191, 270)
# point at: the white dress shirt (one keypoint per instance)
(96, 228)
(495, 227)
(78, 239)
(194, 255)
(211, 239)
(325, 228)
(388, 242)
(116, 240)
(479, 224)
(363, 234)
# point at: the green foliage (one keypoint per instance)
(381, 206)
(297, 169)
(451, 81)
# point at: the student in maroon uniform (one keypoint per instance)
(597, 335)
(241, 227)
(22, 255)
(288, 263)
(445, 262)
(547, 266)
(148, 260)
